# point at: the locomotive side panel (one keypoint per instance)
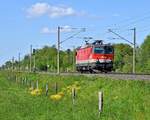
(82, 56)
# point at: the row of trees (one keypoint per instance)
(124, 57)
(46, 58)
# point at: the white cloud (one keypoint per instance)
(40, 9)
(56, 11)
(46, 30)
(66, 28)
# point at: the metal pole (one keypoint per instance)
(19, 61)
(58, 50)
(134, 51)
(34, 64)
(30, 58)
(34, 60)
(12, 63)
(58, 45)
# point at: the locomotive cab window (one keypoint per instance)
(104, 50)
(99, 50)
(109, 50)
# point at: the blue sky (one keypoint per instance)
(25, 22)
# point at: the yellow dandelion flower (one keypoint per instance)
(33, 93)
(36, 92)
(55, 97)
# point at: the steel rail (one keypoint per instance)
(111, 75)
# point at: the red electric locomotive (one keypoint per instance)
(95, 57)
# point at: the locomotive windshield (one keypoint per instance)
(103, 50)
(109, 50)
(99, 50)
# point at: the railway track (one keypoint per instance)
(117, 76)
(112, 75)
(122, 76)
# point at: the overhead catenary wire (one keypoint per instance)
(72, 36)
(132, 20)
(135, 18)
(136, 21)
(125, 25)
(120, 36)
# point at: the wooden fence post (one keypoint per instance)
(73, 95)
(46, 89)
(100, 102)
(56, 88)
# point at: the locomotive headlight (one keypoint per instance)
(90, 56)
(103, 57)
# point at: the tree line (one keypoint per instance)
(45, 59)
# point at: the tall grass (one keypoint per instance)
(123, 100)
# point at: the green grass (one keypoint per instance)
(123, 100)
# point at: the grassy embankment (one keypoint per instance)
(123, 100)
